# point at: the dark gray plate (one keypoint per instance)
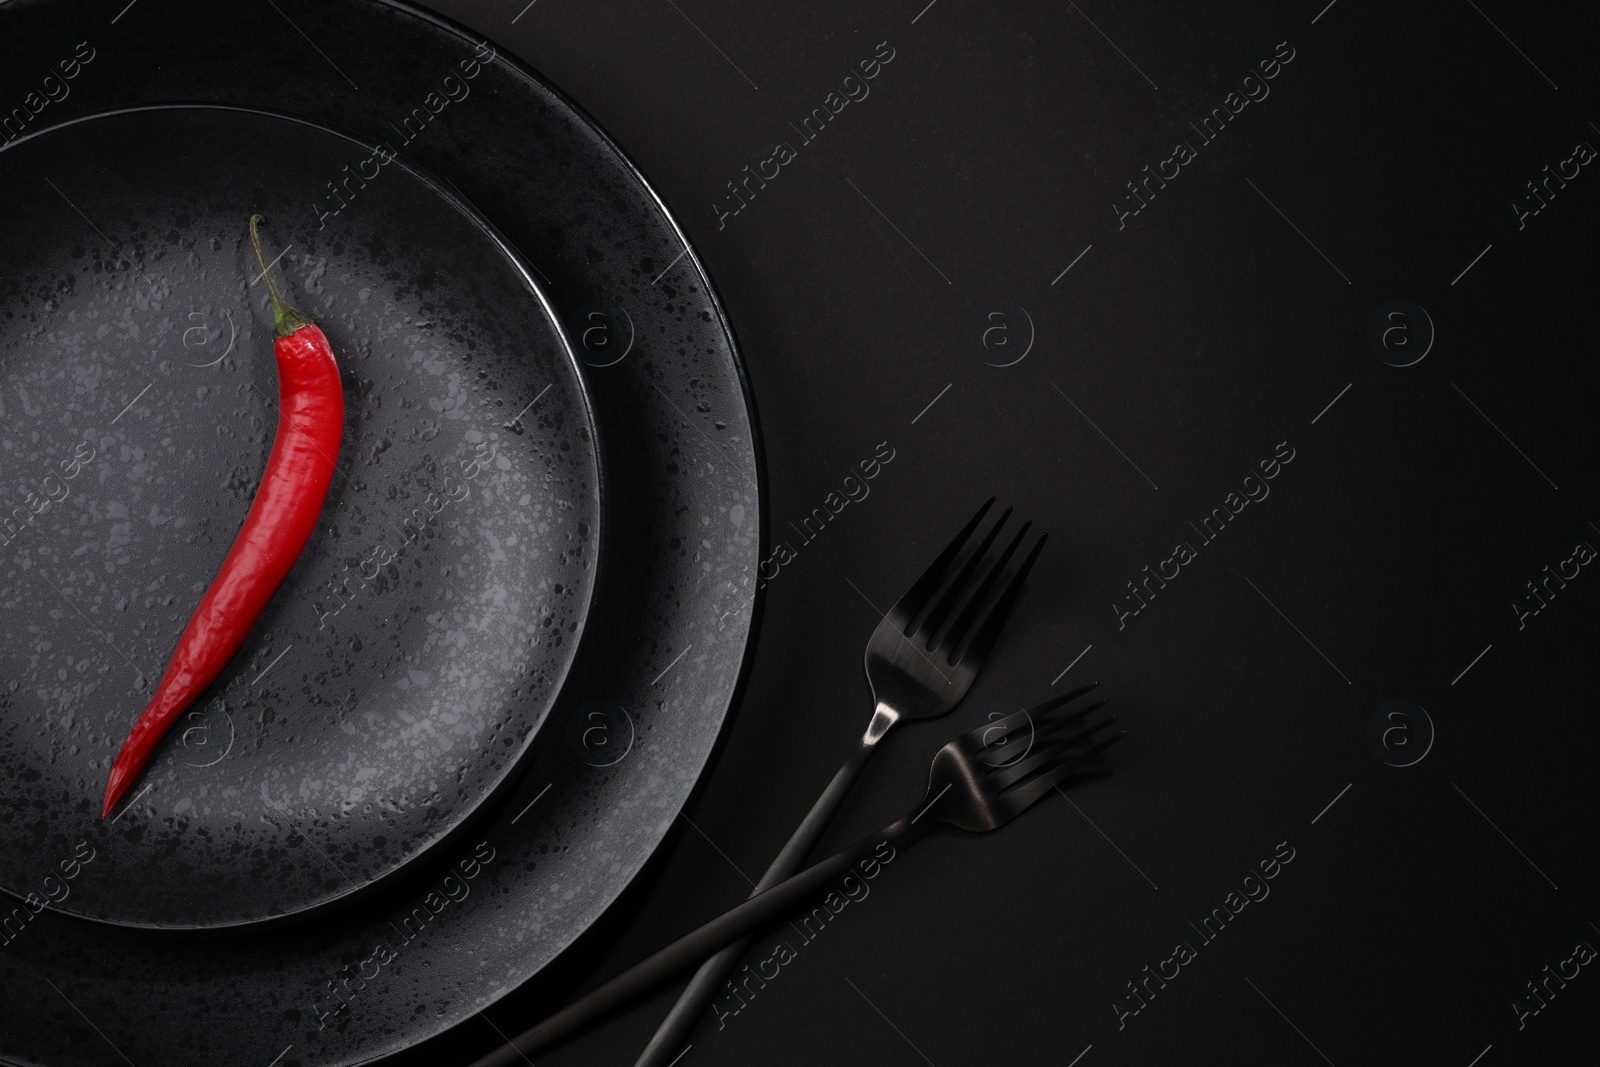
(667, 633)
(400, 672)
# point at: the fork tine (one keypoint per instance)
(958, 629)
(996, 734)
(1045, 756)
(963, 581)
(1045, 735)
(1042, 709)
(985, 735)
(917, 597)
(991, 733)
(1052, 726)
(988, 630)
(1025, 796)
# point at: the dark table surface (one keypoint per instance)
(972, 204)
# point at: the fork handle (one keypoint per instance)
(680, 1022)
(805, 836)
(745, 919)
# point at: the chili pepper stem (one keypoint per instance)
(286, 319)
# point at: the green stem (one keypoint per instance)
(286, 319)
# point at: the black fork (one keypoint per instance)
(921, 659)
(978, 782)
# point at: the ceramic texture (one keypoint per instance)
(667, 632)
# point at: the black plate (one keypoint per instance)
(668, 629)
(400, 672)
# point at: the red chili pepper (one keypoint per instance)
(280, 521)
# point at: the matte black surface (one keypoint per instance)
(665, 640)
(376, 704)
(996, 144)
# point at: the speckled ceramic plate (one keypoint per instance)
(398, 676)
(668, 629)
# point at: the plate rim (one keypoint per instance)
(657, 853)
(650, 868)
(735, 673)
(507, 781)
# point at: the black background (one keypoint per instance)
(1217, 324)
(1197, 338)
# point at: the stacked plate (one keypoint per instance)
(463, 724)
